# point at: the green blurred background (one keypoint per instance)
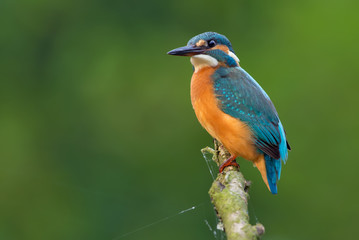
(98, 137)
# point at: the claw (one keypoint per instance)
(231, 161)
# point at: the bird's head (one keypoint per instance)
(208, 49)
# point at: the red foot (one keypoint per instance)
(231, 161)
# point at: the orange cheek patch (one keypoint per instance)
(224, 48)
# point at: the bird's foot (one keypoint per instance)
(231, 161)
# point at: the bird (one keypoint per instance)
(233, 107)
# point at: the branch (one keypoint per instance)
(229, 195)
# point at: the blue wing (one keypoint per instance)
(240, 96)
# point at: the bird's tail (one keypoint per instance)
(270, 169)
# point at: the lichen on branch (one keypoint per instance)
(229, 195)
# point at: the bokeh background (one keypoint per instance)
(98, 139)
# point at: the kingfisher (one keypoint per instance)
(233, 107)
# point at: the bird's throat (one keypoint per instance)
(201, 60)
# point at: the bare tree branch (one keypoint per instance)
(229, 195)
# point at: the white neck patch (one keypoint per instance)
(232, 55)
(201, 60)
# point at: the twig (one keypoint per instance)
(229, 195)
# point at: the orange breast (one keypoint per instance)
(231, 132)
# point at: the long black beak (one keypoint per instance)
(187, 51)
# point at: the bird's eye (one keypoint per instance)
(211, 43)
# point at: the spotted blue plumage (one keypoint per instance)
(240, 96)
